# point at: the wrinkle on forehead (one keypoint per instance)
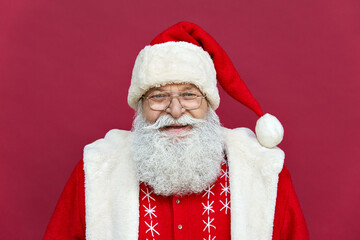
(174, 87)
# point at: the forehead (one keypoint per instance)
(174, 87)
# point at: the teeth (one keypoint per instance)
(180, 126)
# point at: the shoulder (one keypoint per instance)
(111, 139)
(114, 142)
(242, 143)
(107, 153)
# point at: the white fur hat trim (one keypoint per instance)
(269, 131)
(173, 63)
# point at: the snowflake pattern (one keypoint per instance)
(147, 195)
(226, 205)
(219, 190)
(208, 224)
(208, 192)
(152, 228)
(224, 174)
(208, 208)
(225, 189)
(150, 211)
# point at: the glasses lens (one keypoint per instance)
(191, 103)
(159, 100)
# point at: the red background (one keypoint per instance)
(65, 68)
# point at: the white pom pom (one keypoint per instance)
(269, 131)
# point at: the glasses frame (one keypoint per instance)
(175, 96)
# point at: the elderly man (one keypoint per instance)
(178, 174)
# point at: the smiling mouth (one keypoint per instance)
(174, 128)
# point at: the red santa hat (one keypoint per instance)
(185, 53)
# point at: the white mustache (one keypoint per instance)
(167, 120)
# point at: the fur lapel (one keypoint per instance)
(253, 172)
(112, 190)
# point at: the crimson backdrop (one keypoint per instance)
(65, 68)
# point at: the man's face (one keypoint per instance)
(176, 161)
(175, 109)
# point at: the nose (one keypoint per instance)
(175, 109)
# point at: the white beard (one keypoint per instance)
(178, 164)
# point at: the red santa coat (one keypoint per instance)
(195, 216)
(263, 201)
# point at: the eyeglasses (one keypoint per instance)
(161, 100)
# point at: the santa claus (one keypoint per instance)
(178, 174)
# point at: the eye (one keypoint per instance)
(188, 95)
(158, 97)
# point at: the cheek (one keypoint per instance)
(150, 115)
(201, 112)
(202, 115)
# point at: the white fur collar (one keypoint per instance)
(253, 171)
(112, 190)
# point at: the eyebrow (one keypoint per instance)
(182, 89)
(185, 88)
(189, 88)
